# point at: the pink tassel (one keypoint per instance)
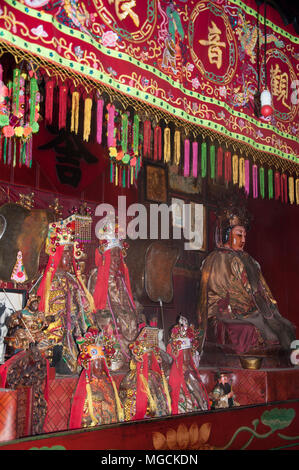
(254, 181)
(247, 177)
(187, 158)
(62, 106)
(110, 125)
(277, 185)
(195, 159)
(100, 107)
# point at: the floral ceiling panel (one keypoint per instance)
(200, 61)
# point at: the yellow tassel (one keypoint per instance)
(87, 293)
(75, 112)
(47, 289)
(177, 147)
(120, 411)
(167, 144)
(116, 175)
(235, 162)
(87, 118)
(291, 190)
(151, 400)
(94, 420)
(241, 173)
(166, 390)
(297, 191)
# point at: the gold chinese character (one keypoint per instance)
(214, 43)
(279, 84)
(123, 8)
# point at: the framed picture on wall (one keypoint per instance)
(156, 183)
(190, 217)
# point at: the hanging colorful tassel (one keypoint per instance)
(254, 181)
(262, 182)
(297, 190)
(194, 159)
(124, 132)
(33, 99)
(227, 167)
(147, 130)
(247, 176)
(87, 119)
(219, 162)
(136, 125)
(111, 171)
(291, 190)
(284, 188)
(157, 143)
(241, 172)
(110, 125)
(63, 92)
(100, 110)
(187, 157)
(177, 147)
(277, 185)
(16, 92)
(75, 112)
(203, 159)
(213, 161)
(270, 184)
(167, 147)
(49, 101)
(235, 168)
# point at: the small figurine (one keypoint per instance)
(222, 395)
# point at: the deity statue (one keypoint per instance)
(144, 390)
(222, 395)
(96, 399)
(188, 392)
(116, 310)
(26, 327)
(64, 298)
(236, 303)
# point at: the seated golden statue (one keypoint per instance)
(236, 308)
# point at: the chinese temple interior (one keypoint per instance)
(149, 194)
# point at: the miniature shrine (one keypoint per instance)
(149, 194)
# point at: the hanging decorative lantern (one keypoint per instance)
(266, 103)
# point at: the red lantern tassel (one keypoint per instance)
(219, 162)
(227, 167)
(62, 106)
(158, 143)
(277, 185)
(147, 130)
(49, 101)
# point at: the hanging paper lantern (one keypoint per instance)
(266, 103)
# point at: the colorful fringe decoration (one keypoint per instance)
(187, 158)
(63, 92)
(262, 182)
(32, 111)
(219, 162)
(177, 147)
(167, 147)
(110, 125)
(75, 112)
(136, 134)
(16, 92)
(241, 172)
(157, 143)
(87, 119)
(284, 188)
(147, 130)
(49, 101)
(124, 132)
(227, 167)
(100, 110)
(297, 190)
(247, 176)
(203, 159)
(194, 159)
(235, 165)
(291, 190)
(277, 185)
(270, 184)
(213, 162)
(254, 181)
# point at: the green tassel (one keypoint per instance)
(262, 182)
(111, 172)
(203, 160)
(33, 92)
(212, 161)
(4, 150)
(136, 134)
(270, 183)
(124, 140)
(16, 92)
(124, 177)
